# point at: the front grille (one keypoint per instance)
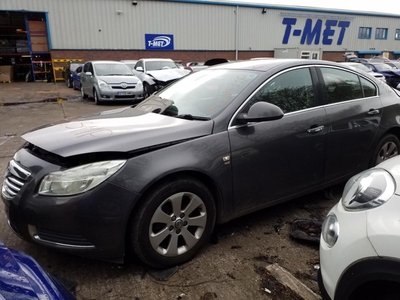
(14, 180)
(62, 238)
(125, 96)
(118, 87)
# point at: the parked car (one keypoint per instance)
(68, 71)
(197, 66)
(359, 257)
(155, 179)
(364, 68)
(130, 63)
(107, 81)
(21, 277)
(156, 73)
(76, 78)
(391, 74)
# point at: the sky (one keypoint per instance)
(362, 6)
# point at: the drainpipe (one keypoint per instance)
(237, 32)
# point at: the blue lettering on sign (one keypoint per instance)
(311, 33)
(159, 41)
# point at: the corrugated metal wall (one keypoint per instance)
(118, 24)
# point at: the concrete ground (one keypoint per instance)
(233, 268)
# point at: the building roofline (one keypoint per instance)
(288, 7)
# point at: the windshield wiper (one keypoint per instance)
(191, 117)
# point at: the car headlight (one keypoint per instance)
(368, 189)
(79, 179)
(330, 230)
(102, 84)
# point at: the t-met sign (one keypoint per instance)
(314, 33)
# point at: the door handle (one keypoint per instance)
(316, 129)
(372, 112)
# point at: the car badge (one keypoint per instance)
(124, 85)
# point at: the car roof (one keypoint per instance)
(106, 62)
(157, 59)
(267, 64)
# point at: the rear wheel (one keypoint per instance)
(388, 147)
(174, 222)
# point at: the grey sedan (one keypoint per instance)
(155, 179)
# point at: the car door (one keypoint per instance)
(84, 76)
(275, 159)
(354, 113)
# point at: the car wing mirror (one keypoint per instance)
(260, 112)
(89, 73)
(139, 69)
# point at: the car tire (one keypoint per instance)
(69, 83)
(388, 147)
(174, 222)
(147, 90)
(84, 96)
(96, 97)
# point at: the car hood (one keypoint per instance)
(120, 130)
(168, 74)
(23, 278)
(391, 73)
(119, 79)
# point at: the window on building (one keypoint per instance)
(397, 34)
(381, 33)
(364, 33)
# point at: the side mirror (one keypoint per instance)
(260, 112)
(89, 73)
(140, 69)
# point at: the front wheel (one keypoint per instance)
(84, 96)
(147, 90)
(174, 222)
(388, 147)
(96, 97)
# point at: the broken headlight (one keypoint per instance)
(79, 179)
(368, 189)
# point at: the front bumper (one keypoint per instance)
(91, 224)
(351, 246)
(120, 95)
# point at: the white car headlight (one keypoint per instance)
(368, 189)
(102, 84)
(79, 179)
(330, 230)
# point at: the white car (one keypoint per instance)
(360, 238)
(359, 66)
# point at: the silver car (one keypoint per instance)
(110, 81)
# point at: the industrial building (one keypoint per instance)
(38, 36)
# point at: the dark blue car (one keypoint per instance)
(391, 74)
(76, 78)
(21, 277)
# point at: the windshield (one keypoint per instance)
(362, 67)
(160, 65)
(383, 67)
(112, 70)
(202, 94)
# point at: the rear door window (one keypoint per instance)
(341, 85)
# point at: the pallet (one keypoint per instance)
(8, 81)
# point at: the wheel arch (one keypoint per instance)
(204, 178)
(366, 275)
